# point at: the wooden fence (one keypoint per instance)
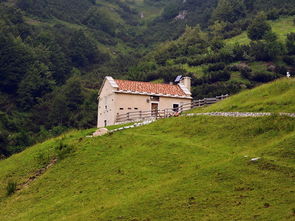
(143, 115)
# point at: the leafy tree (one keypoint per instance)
(290, 43)
(36, 84)
(266, 51)
(229, 10)
(258, 28)
(171, 10)
(100, 19)
(83, 51)
(15, 59)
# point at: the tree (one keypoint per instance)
(229, 10)
(36, 84)
(83, 51)
(258, 28)
(290, 43)
(15, 59)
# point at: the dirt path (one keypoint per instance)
(37, 174)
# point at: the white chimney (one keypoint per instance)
(186, 81)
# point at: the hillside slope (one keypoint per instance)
(185, 168)
(277, 96)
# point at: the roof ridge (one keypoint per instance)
(146, 82)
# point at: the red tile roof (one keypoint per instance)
(147, 87)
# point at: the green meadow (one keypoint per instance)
(281, 27)
(184, 168)
(277, 96)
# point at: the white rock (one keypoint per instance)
(100, 132)
(255, 159)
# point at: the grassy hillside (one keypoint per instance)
(277, 96)
(163, 171)
(281, 27)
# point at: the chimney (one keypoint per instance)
(186, 81)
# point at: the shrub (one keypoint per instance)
(240, 51)
(290, 60)
(282, 70)
(265, 51)
(195, 61)
(233, 68)
(273, 14)
(290, 43)
(258, 28)
(62, 150)
(216, 67)
(10, 188)
(181, 60)
(218, 76)
(263, 76)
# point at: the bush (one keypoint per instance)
(290, 60)
(290, 43)
(233, 68)
(181, 60)
(246, 72)
(216, 67)
(258, 28)
(282, 70)
(266, 51)
(274, 14)
(218, 76)
(263, 76)
(240, 52)
(62, 150)
(195, 61)
(10, 188)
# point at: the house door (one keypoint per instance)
(155, 109)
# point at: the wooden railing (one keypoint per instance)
(143, 115)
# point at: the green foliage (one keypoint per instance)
(171, 10)
(265, 76)
(265, 50)
(10, 188)
(63, 150)
(290, 43)
(97, 18)
(258, 28)
(229, 10)
(69, 10)
(83, 51)
(14, 63)
(35, 85)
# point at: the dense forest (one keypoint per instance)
(55, 54)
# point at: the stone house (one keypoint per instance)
(117, 97)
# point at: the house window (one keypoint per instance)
(175, 107)
(121, 108)
(155, 98)
(135, 108)
(106, 107)
(129, 108)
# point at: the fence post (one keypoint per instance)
(128, 115)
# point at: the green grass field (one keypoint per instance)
(185, 168)
(277, 96)
(281, 27)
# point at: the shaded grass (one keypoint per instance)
(277, 96)
(174, 169)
